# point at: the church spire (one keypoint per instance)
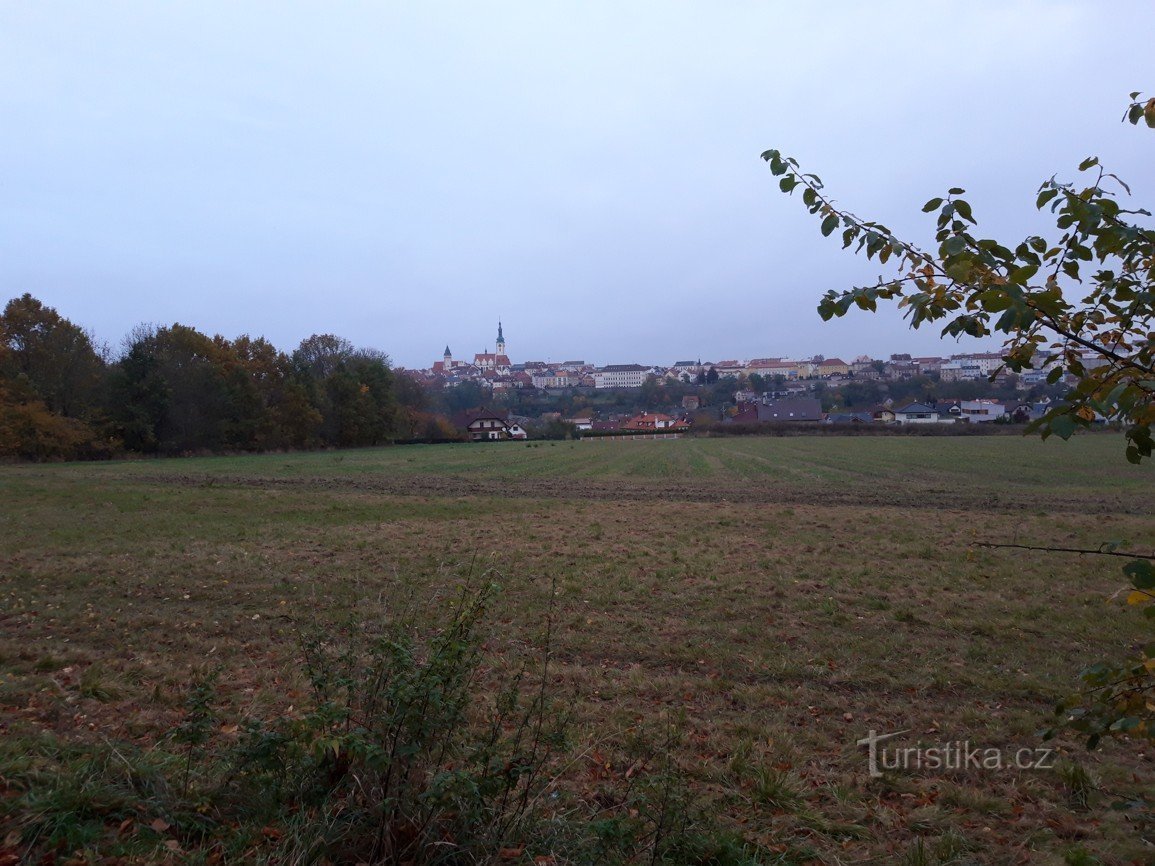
(500, 347)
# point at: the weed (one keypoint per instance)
(1080, 856)
(1077, 782)
(45, 664)
(95, 683)
(776, 788)
(195, 730)
(918, 855)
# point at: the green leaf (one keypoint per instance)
(963, 209)
(994, 300)
(829, 225)
(1063, 426)
(933, 204)
(788, 183)
(955, 190)
(1088, 163)
(1020, 276)
(954, 245)
(960, 270)
(1142, 574)
(1045, 196)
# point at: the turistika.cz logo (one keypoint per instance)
(953, 755)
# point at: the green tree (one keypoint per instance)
(465, 395)
(859, 395)
(353, 390)
(140, 399)
(1080, 304)
(177, 396)
(321, 354)
(363, 409)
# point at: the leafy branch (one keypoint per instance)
(1080, 306)
(1103, 343)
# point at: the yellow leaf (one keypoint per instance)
(1138, 596)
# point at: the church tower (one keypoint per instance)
(448, 357)
(500, 348)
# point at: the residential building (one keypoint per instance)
(961, 370)
(620, 376)
(729, 369)
(789, 409)
(988, 362)
(981, 411)
(920, 413)
(828, 367)
(865, 367)
(929, 366)
(485, 425)
(554, 379)
(649, 421)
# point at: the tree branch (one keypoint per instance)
(1094, 551)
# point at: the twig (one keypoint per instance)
(1099, 551)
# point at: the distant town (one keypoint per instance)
(174, 390)
(754, 391)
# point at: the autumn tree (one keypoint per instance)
(51, 385)
(281, 415)
(1078, 304)
(352, 389)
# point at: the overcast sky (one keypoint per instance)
(403, 174)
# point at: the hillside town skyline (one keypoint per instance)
(496, 369)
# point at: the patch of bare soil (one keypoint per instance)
(910, 494)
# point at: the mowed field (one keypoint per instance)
(771, 599)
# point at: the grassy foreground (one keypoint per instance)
(746, 608)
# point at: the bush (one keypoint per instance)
(401, 754)
(398, 757)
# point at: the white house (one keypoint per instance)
(919, 413)
(981, 411)
(620, 376)
(960, 370)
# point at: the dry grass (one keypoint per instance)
(777, 598)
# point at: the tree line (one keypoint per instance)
(174, 390)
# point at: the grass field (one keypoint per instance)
(772, 600)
